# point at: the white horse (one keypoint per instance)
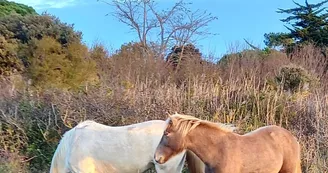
(91, 147)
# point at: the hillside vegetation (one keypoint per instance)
(7, 8)
(50, 81)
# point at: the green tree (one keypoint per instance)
(20, 30)
(46, 50)
(52, 65)
(25, 28)
(309, 24)
(7, 8)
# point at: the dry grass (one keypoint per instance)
(137, 88)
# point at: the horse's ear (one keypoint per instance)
(175, 113)
(168, 115)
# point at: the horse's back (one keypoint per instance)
(277, 136)
(100, 148)
(279, 144)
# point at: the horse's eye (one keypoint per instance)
(166, 133)
(170, 122)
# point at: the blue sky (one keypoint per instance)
(237, 19)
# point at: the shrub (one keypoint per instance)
(294, 78)
(54, 66)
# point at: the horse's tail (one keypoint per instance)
(59, 160)
(195, 165)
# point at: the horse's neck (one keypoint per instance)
(205, 140)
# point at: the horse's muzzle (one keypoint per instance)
(159, 158)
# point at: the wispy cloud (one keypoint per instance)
(46, 4)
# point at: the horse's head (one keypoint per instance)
(176, 137)
(173, 138)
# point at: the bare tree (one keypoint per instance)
(177, 25)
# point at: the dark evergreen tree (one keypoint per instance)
(308, 24)
(179, 54)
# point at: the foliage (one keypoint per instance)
(98, 52)
(100, 55)
(294, 78)
(49, 50)
(9, 62)
(11, 163)
(41, 145)
(25, 28)
(132, 56)
(278, 39)
(179, 54)
(256, 54)
(7, 8)
(33, 137)
(309, 25)
(130, 50)
(52, 65)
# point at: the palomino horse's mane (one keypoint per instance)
(186, 123)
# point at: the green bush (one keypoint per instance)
(293, 78)
(9, 62)
(54, 66)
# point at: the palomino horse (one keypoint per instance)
(91, 147)
(269, 149)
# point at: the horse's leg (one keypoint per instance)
(292, 169)
(292, 166)
(299, 167)
(298, 164)
(195, 165)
